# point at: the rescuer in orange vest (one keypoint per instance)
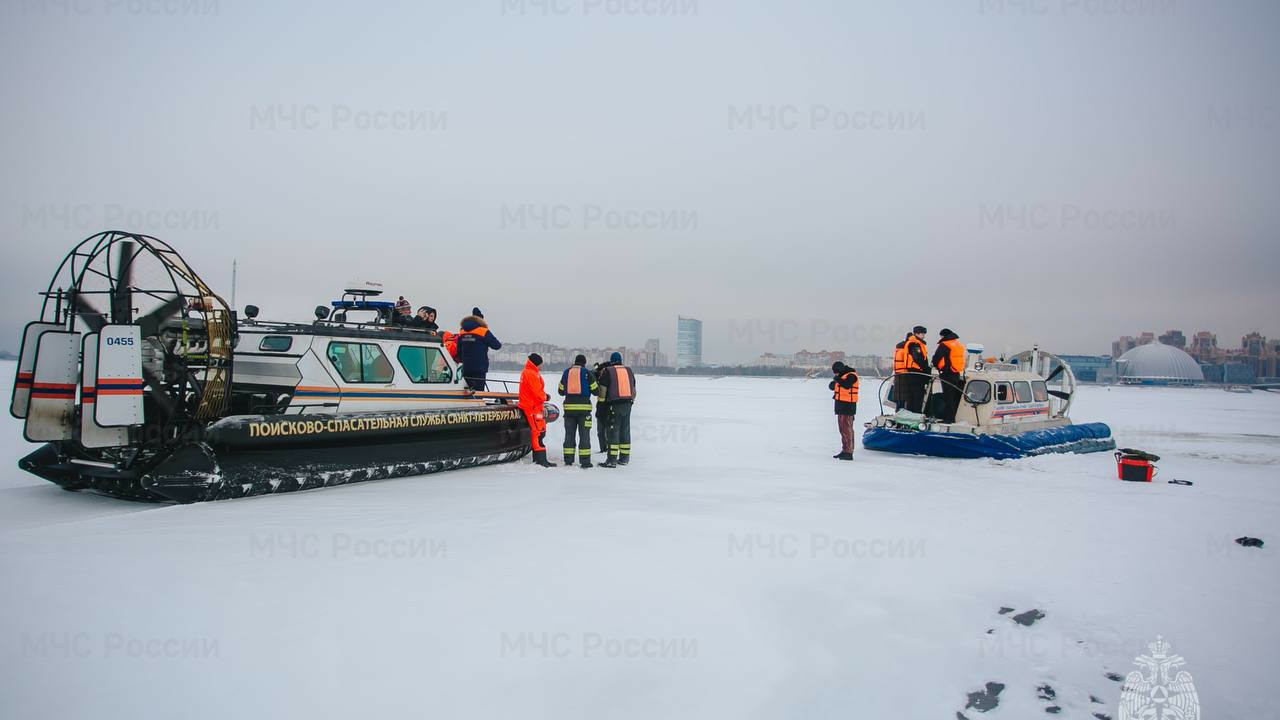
(618, 391)
(949, 359)
(844, 388)
(577, 385)
(911, 370)
(533, 396)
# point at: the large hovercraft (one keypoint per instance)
(1008, 409)
(164, 394)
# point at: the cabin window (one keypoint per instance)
(1039, 390)
(1023, 390)
(361, 362)
(1004, 393)
(276, 343)
(424, 364)
(977, 392)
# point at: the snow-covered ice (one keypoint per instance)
(733, 570)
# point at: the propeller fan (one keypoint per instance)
(1057, 393)
(121, 294)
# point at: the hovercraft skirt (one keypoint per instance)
(259, 455)
(1084, 438)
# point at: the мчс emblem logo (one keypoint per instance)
(1157, 693)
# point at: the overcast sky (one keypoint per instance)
(796, 174)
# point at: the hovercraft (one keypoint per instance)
(141, 383)
(1012, 409)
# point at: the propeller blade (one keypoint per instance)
(1060, 394)
(88, 314)
(159, 394)
(151, 322)
(1056, 371)
(121, 294)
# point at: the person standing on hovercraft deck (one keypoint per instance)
(949, 359)
(577, 385)
(474, 343)
(533, 398)
(618, 391)
(909, 358)
(844, 389)
(602, 413)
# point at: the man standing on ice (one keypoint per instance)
(844, 389)
(618, 391)
(577, 385)
(533, 396)
(602, 414)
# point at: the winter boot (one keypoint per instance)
(540, 458)
(568, 458)
(586, 462)
(612, 462)
(844, 456)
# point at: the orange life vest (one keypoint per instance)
(621, 383)
(900, 358)
(954, 357)
(844, 394)
(909, 363)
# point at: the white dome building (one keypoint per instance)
(1158, 364)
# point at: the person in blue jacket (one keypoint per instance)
(577, 385)
(474, 343)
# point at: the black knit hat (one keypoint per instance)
(920, 329)
(837, 366)
(580, 360)
(535, 358)
(476, 311)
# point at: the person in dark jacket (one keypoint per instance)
(474, 343)
(424, 320)
(911, 371)
(950, 362)
(618, 390)
(844, 388)
(602, 413)
(577, 385)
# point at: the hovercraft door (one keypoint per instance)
(52, 405)
(93, 435)
(26, 364)
(119, 382)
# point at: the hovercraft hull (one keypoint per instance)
(260, 455)
(1084, 438)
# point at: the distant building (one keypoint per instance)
(688, 342)
(1229, 373)
(820, 359)
(873, 365)
(1174, 338)
(771, 360)
(1123, 345)
(1204, 347)
(1087, 368)
(1158, 364)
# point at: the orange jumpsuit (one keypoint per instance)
(533, 395)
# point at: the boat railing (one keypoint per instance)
(928, 390)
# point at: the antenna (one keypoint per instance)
(233, 284)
